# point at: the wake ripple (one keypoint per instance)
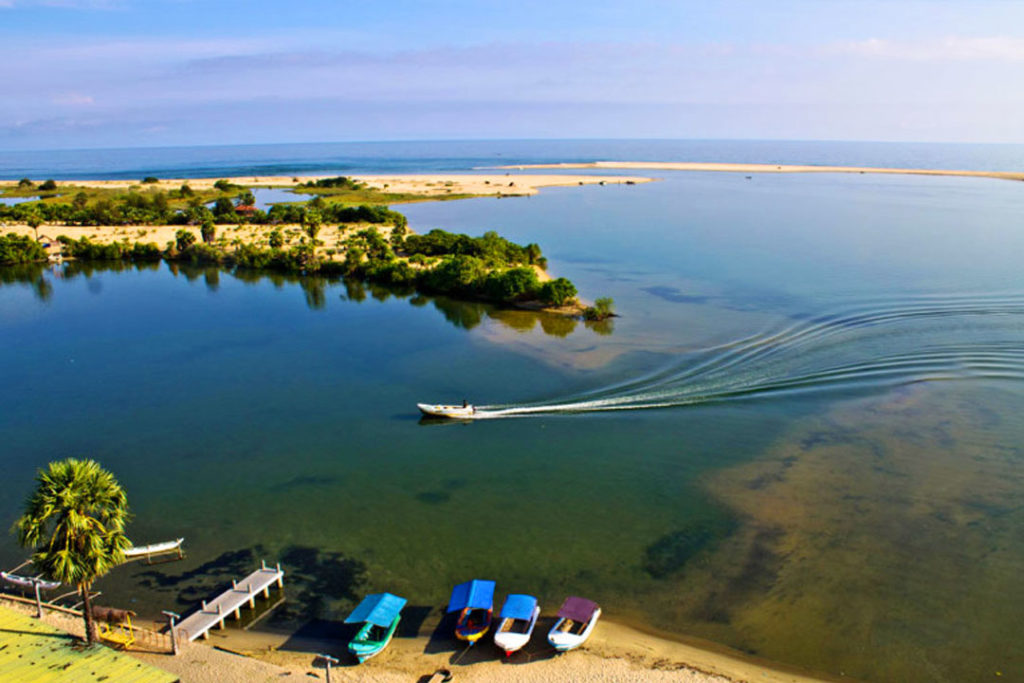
(877, 344)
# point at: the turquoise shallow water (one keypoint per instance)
(814, 454)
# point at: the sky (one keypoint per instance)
(123, 73)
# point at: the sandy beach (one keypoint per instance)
(766, 168)
(427, 185)
(614, 653)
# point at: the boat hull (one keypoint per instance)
(511, 641)
(447, 411)
(473, 624)
(363, 647)
(563, 642)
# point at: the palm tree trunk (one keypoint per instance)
(90, 622)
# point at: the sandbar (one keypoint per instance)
(765, 168)
(434, 186)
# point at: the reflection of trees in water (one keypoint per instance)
(30, 274)
(462, 314)
(355, 291)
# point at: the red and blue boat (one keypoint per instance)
(474, 601)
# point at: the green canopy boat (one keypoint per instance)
(381, 614)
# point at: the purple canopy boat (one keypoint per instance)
(576, 619)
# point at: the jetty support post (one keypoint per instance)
(280, 576)
(39, 602)
(328, 660)
(171, 617)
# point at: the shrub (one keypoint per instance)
(511, 285)
(225, 186)
(25, 184)
(602, 309)
(16, 249)
(208, 231)
(276, 240)
(150, 179)
(48, 185)
(183, 239)
(557, 292)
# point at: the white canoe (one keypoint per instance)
(28, 581)
(154, 548)
(513, 634)
(441, 410)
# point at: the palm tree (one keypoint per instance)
(75, 523)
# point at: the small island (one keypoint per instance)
(345, 230)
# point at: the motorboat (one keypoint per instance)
(379, 613)
(516, 620)
(474, 601)
(576, 620)
(465, 410)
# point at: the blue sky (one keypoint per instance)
(100, 73)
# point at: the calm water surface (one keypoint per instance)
(801, 439)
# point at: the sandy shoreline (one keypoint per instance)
(766, 168)
(614, 653)
(427, 185)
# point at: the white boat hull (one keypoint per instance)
(563, 642)
(441, 410)
(154, 548)
(510, 641)
(28, 581)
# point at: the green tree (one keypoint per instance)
(80, 201)
(311, 223)
(34, 220)
(48, 185)
(208, 230)
(223, 207)
(276, 239)
(557, 292)
(185, 190)
(183, 239)
(150, 179)
(25, 184)
(74, 522)
(246, 198)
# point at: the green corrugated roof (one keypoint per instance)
(33, 651)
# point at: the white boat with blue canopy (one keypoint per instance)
(474, 600)
(379, 613)
(517, 618)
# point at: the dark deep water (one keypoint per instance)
(802, 438)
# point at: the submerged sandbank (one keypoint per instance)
(767, 168)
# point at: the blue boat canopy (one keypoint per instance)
(379, 609)
(475, 594)
(518, 606)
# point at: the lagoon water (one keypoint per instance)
(801, 439)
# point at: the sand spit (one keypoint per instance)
(427, 185)
(767, 168)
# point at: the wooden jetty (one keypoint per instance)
(229, 602)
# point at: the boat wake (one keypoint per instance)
(877, 344)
